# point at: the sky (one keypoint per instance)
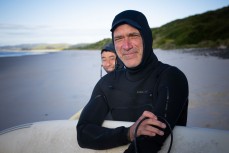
(84, 21)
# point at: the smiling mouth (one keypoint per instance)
(129, 55)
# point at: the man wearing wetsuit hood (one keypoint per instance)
(147, 89)
(109, 59)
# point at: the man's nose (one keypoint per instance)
(127, 44)
(108, 63)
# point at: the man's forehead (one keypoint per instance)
(121, 27)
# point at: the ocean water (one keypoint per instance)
(54, 86)
(18, 53)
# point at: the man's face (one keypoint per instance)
(128, 45)
(108, 61)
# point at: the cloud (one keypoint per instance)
(20, 27)
(17, 34)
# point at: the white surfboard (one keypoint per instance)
(59, 136)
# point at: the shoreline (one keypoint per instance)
(215, 52)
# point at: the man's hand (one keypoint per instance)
(147, 126)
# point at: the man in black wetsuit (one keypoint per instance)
(147, 88)
(109, 59)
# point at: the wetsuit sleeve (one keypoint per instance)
(171, 101)
(90, 133)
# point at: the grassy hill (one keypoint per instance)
(207, 30)
(210, 29)
(94, 46)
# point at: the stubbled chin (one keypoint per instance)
(130, 60)
(110, 70)
(130, 63)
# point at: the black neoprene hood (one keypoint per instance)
(108, 47)
(138, 21)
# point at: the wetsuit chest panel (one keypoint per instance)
(129, 105)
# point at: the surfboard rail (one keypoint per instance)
(60, 136)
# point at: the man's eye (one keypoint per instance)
(135, 35)
(117, 38)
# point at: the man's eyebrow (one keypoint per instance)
(118, 36)
(134, 33)
(129, 34)
(112, 56)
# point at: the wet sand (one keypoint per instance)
(45, 87)
(54, 86)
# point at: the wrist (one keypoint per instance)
(128, 135)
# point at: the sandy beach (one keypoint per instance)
(56, 85)
(45, 87)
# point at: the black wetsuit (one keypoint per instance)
(153, 86)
